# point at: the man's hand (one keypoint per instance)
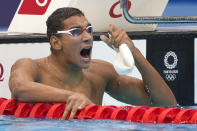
(75, 102)
(117, 37)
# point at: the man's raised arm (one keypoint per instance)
(152, 90)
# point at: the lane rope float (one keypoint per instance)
(142, 114)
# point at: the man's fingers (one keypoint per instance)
(105, 39)
(73, 102)
(111, 28)
(65, 114)
(116, 36)
(119, 39)
(67, 109)
(82, 105)
(72, 114)
(108, 42)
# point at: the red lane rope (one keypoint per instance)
(151, 115)
(126, 113)
(23, 109)
(168, 115)
(104, 112)
(56, 111)
(39, 110)
(194, 118)
(184, 116)
(8, 107)
(88, 112)
(136, 113)
(120, 113)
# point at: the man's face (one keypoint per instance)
(77, 50)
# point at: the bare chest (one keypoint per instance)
(92, 85)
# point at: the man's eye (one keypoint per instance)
(76, 32)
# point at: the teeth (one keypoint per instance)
(88, 47)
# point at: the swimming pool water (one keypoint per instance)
(10, 123)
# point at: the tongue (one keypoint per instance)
(85, 53)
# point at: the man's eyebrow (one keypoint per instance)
(80, 26)
(75, 27)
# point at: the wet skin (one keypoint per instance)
(70, 76)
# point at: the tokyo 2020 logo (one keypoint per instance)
(170, 62)
(166, 58)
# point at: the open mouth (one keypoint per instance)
(86, 52)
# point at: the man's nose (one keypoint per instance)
(86, 32)
(87, 37)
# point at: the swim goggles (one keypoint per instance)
(76, 31)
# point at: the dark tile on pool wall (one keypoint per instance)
(173, 58)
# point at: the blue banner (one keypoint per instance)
(7, 11)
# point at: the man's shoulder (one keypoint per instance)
(101, 66)
(27, 62)
(96, 62)
(24, 62)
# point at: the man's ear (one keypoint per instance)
(55, 43)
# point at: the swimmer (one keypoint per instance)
(69, 75)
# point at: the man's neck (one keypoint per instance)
(69, 73)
